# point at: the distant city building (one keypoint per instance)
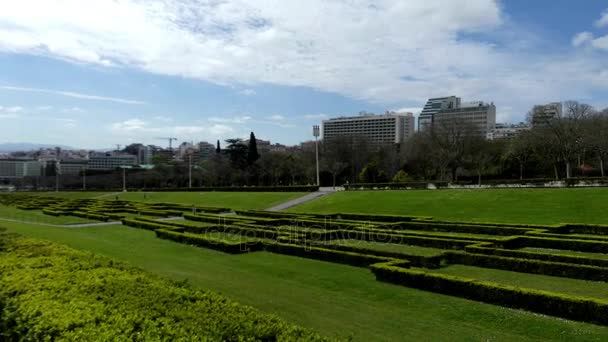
(110, 160)
(206, 150)
(19, 168)
(507, 131)
(432, 107)
(542, 114)
(73, 166)
(384, 129)
(144, 155)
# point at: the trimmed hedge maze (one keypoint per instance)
(415, 251)
(542, 269)
(102, 210)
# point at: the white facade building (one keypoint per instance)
(384, 129)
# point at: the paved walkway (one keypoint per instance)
(306, 198)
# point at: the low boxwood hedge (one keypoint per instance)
(549, 303)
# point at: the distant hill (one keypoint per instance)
(15, 147)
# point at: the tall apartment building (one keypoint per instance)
(542, 114)
(478, 115)
(432, 107)
(144, 155)
(206, 150)
(384, 129)
(110, 160)
(19, 168)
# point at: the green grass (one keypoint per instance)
(565, 252)
(390, 247)
(531, 206)
(330, 298)
(12, 213)
(576, 287)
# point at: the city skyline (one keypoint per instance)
(91, 76)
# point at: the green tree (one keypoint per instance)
(401, 177)
(218, 149)
(252, 151)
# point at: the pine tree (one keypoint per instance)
(218, 149)
(252, 152)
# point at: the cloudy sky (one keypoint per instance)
(103, 72)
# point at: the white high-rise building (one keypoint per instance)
(385, 129)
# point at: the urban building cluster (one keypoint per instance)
(50, 161)
(394, 128)
(378, 129)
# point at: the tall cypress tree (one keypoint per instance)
(218, 149)
(252, 152)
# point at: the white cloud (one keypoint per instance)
(233, 120)
(582, 38)
(315, 117)
(163, 118)
(277, 117)
(132, 125)
(603, 20)
(68, 93)
(600, 43)
(12, 112)
(247, 92)
(413, 110)
(389, 51)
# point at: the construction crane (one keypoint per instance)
(170, 142)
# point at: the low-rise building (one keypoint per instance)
(542, 114)
(19, 168)
(110, 160)
(507, 131)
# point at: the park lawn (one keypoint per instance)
(232, 200)
(37, 216)
(390, 247)
(333, 299)
(575, 287)
(528, 206)
(601, 256)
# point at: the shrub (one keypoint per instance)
(49, 292)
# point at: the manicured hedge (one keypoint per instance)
(294, 188)
(549, 268)
(341, 257)
(484, 248)
(552, 243)
(209, 242)
(50, 292)
(554, 304)
(395, 186)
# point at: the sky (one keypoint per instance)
(97, 73)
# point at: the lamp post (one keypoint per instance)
(84, 178)
(190, 170)
(315, 133)
(124, 178)
(57, 172)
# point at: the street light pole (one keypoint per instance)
(84, 178)
(124, 179)
(190, 170)
(57, 171)
(315, 132)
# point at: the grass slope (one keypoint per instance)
(330, 298)
(533, 206)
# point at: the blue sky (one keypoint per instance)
(97, 73)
